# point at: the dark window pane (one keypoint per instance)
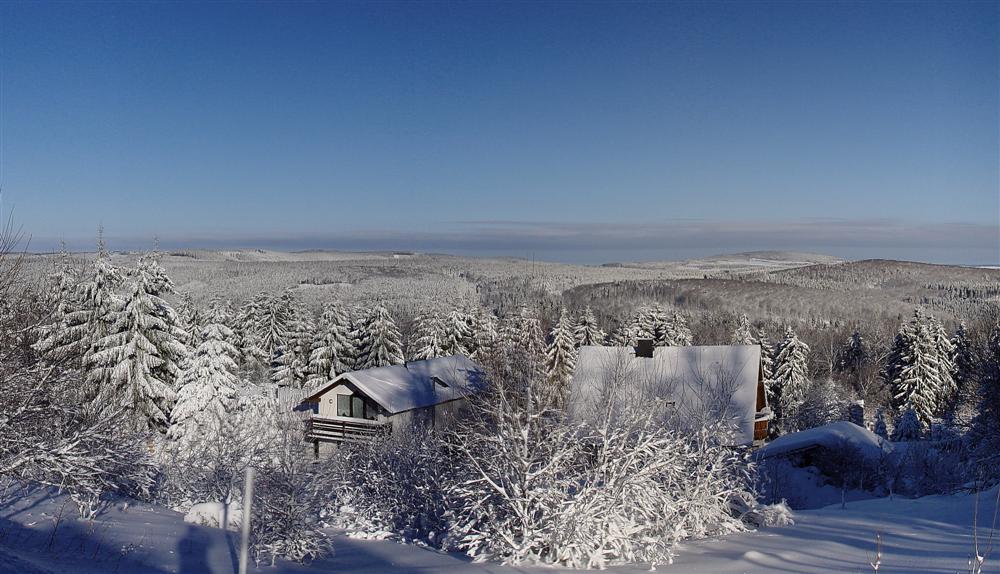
(357, 407)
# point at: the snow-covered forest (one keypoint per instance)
(146, 377)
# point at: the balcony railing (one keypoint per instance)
(343, 429)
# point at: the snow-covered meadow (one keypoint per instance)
(926, 535)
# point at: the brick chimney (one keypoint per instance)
(644, 348)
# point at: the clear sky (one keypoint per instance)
(585, 132)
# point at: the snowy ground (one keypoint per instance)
(931, 534)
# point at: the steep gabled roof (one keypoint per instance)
(696, 380)
(413, 385)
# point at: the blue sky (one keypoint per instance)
(583, 132)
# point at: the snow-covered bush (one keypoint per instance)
(770, 515)
(289, 495)
(534, 486)
(392, 485)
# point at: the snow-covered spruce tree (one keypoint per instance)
(822, 403)
(456, 333)
(62, 338)
(274, 328)
(532, 338)
(945, 354)
(985, 432)
(380, 340)
(291, 367)
(881, 428)
(908, 427)
(916, 371)
(965, 360)
(645, 322)
(220, 311)
(743, 334)
(587, 331)
(623, 335)
(330, 350)
(560, 359)
(191, 319)
(766, 357)
(207, 398)
(676, 331)
(666, 329)
(136, 365)
(85, 317)
(853, 354)
(430, 338)
(485, 336)
(524, 331)
(790, 379)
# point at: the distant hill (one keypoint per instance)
(737, 263)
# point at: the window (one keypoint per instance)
(439, 382)
(356, 406)
(343, 405)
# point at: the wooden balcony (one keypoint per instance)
(344, 429)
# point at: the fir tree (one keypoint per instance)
(273, 325)
(531, 339)
(914, 366)
(766, 356)
(208, 395)
(881, 429)
(560, 358)
(456, 334)
(965, 362)
(330, 353)
(908, 427)
(743, 334)
(587, 332)
(292, 365)
(853, 355)
(430, 338)
(945, 355)
(986, 425)
(380, 340)
(790, 380)
(86, 316)
(136, 365)
(191, 318)
(622, 336)
(484, 335)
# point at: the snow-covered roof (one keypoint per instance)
(413, 385)
(698, 380)
(836, 435)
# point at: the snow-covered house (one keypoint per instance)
(696, 381)
(359, 404)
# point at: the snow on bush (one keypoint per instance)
(772, 515)
(289, 494)
(391, 485)
(532, 486)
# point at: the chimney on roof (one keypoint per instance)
(644, 348)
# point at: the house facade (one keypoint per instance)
(361, 404)
(695, 383)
